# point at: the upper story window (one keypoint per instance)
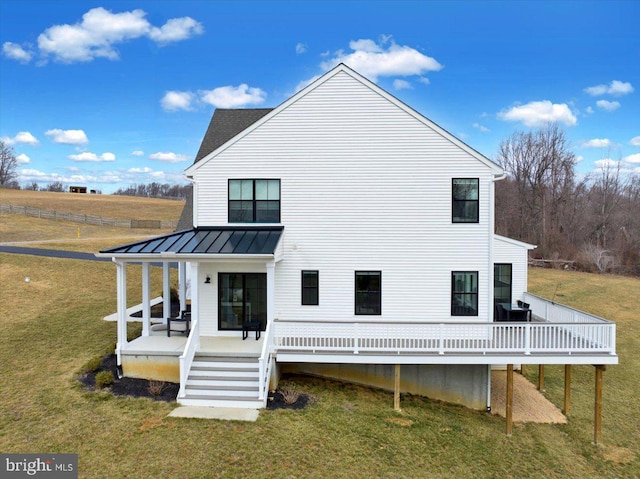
(465, 200)
(368, 292)
(254, 201)
(464, 293)
(310, 288)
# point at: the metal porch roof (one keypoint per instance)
(223, 240)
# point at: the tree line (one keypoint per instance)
(592, 220)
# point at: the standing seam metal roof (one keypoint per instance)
(224, 240)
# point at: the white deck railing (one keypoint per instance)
(265, 362)
(584, 334)
(186, 359)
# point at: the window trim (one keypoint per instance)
(254, 200)
(355, 290)
(316, 287)
(454, 201)
(454, 292)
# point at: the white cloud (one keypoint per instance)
(23, 137)
(635, 158)
(177, 100)
(589, 110)
(635, 141)
(67, 137)
(385, 58)
(87, 156)
(606, 162)
(608, 105)
(424, 80)
(615, 88)
(137, 153)
(400, 84)
(300, 48)
(539, 113)
(169, 157)
(175, 30)
(16, 52)
(233, 97)
(597, 143)
(579, 158)
(146, 169)
(23, 159)
(101, 30)
(480, 127)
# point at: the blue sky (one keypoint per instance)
(107, 94)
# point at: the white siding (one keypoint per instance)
(364, 185)
(517, 255)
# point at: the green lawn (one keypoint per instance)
(52, 326)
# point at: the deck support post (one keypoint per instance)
(567, 389)
(396, 389)
(509, 407)
(597, 413)
(540, 377)
(522, 369)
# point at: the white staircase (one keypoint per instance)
(223, 381)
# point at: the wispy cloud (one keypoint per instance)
(177, 100)
(16, 52)
(539, 113)
(399, 84)
(168, 157)
(597, 143)
(300, 48)
(233, 96)
(608, 105)
(482, 128)
(137, 153)
(23, 159)
(67, 137)
(615, 88)
(87, 156)
(98, 33)
(635, 141)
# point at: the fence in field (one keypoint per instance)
(87, 219)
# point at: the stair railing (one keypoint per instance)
(186, 359)
(265, 362)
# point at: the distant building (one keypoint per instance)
(77, 189)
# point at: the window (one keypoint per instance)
(464, 293)
(502, 283)
(241, 297)
(368, 292)
(465, 202)
(310, 288)
(254, 201)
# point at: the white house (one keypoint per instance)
(358, 236)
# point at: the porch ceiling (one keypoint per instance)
(241, 240)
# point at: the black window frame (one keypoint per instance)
(456, 307)
(254, 201)
(458, 201)
(498, 278)
(263, 320)
(304, 288)
(359, 294)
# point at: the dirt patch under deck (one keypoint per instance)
(529, 405)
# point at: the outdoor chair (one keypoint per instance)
(247, 326)
(181, 324)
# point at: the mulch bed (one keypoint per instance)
(129, 386)
(276, 400)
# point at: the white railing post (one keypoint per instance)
(187, 356)
(441, 339)
(527, 339)
(356, 338)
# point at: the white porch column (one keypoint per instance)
(182, 284)
(271, 291)
(146, 299)
(195, 299)
(166, 291)
(121, 292)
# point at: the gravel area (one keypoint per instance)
(529, 405)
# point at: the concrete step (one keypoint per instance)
(223, 373)
(215, 393)
(222, 382)
(189, 400)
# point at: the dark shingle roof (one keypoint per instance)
(225, 124)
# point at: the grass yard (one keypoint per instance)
(52, 326)
(110, 206)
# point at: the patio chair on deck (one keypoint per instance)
(181, 324)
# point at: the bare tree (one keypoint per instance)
(56, 186)
(541, 166)
(8, 165)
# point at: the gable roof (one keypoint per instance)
(225, 124)
(269, 113)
